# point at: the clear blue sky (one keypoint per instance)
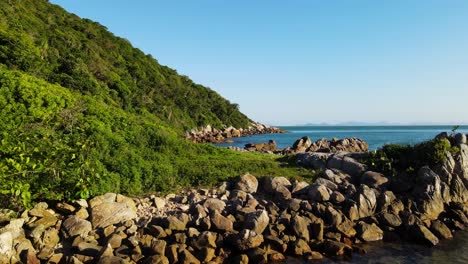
(309, 61)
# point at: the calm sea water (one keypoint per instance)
(376, 136)
(447, 252)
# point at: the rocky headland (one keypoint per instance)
(250, 219)
(209, 134)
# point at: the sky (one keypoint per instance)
(308, 61)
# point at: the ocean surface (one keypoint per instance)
(375, 136)
(447, 252)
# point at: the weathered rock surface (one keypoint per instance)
(109, 213)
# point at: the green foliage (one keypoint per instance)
(44, 40)
(57, 143)
(394, 159)
(455, 128)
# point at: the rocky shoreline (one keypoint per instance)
(210, 134)
(305, 144)
(249, 219)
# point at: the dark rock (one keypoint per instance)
(390, 219)
(440, 230)
(300, 227)
(421, 234)
(246, 239)
(374, 179)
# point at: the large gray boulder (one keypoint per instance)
(257, 221)
(319, 193)
(315, 160)
(247, 183)
(366, 201)
(110, 213)
(428, 193)
(346, 164)
(74, 226)
(374, 179)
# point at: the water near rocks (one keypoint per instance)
(448, 251)
(375, 136)
(452, 251)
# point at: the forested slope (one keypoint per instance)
(44, 40)
(83, 112)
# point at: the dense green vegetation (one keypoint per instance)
(83, 112)
(47, 42)
(397, 160)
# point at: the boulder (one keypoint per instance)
(302, 144)
(214, 204)
(271, 184)
(369, 232)
(220, 222)
(159, 202)
(315, 160)
(440, 230)
(300, 248)
(428, 193)
(247, 183)
(390, 219)
(334, 248)
(109, 213)
(374, 179)
(257, 221)
(247, 239)
(319, 193)
(346, 164)
(108, 197)
(459, 138)
(300, 227)
(366, 201)
(205, 240)
(419, 233)
(6, 247)
(74, 226)
(174, 223)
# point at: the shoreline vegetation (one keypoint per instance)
(356, 197)
(92, 127)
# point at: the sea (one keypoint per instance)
(375, 136)
(446, 252)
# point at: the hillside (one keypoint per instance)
(83, 113)
(45, 41)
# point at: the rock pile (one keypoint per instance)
(248, 220)
(328, 146)
(209, 134)
(304, 144)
